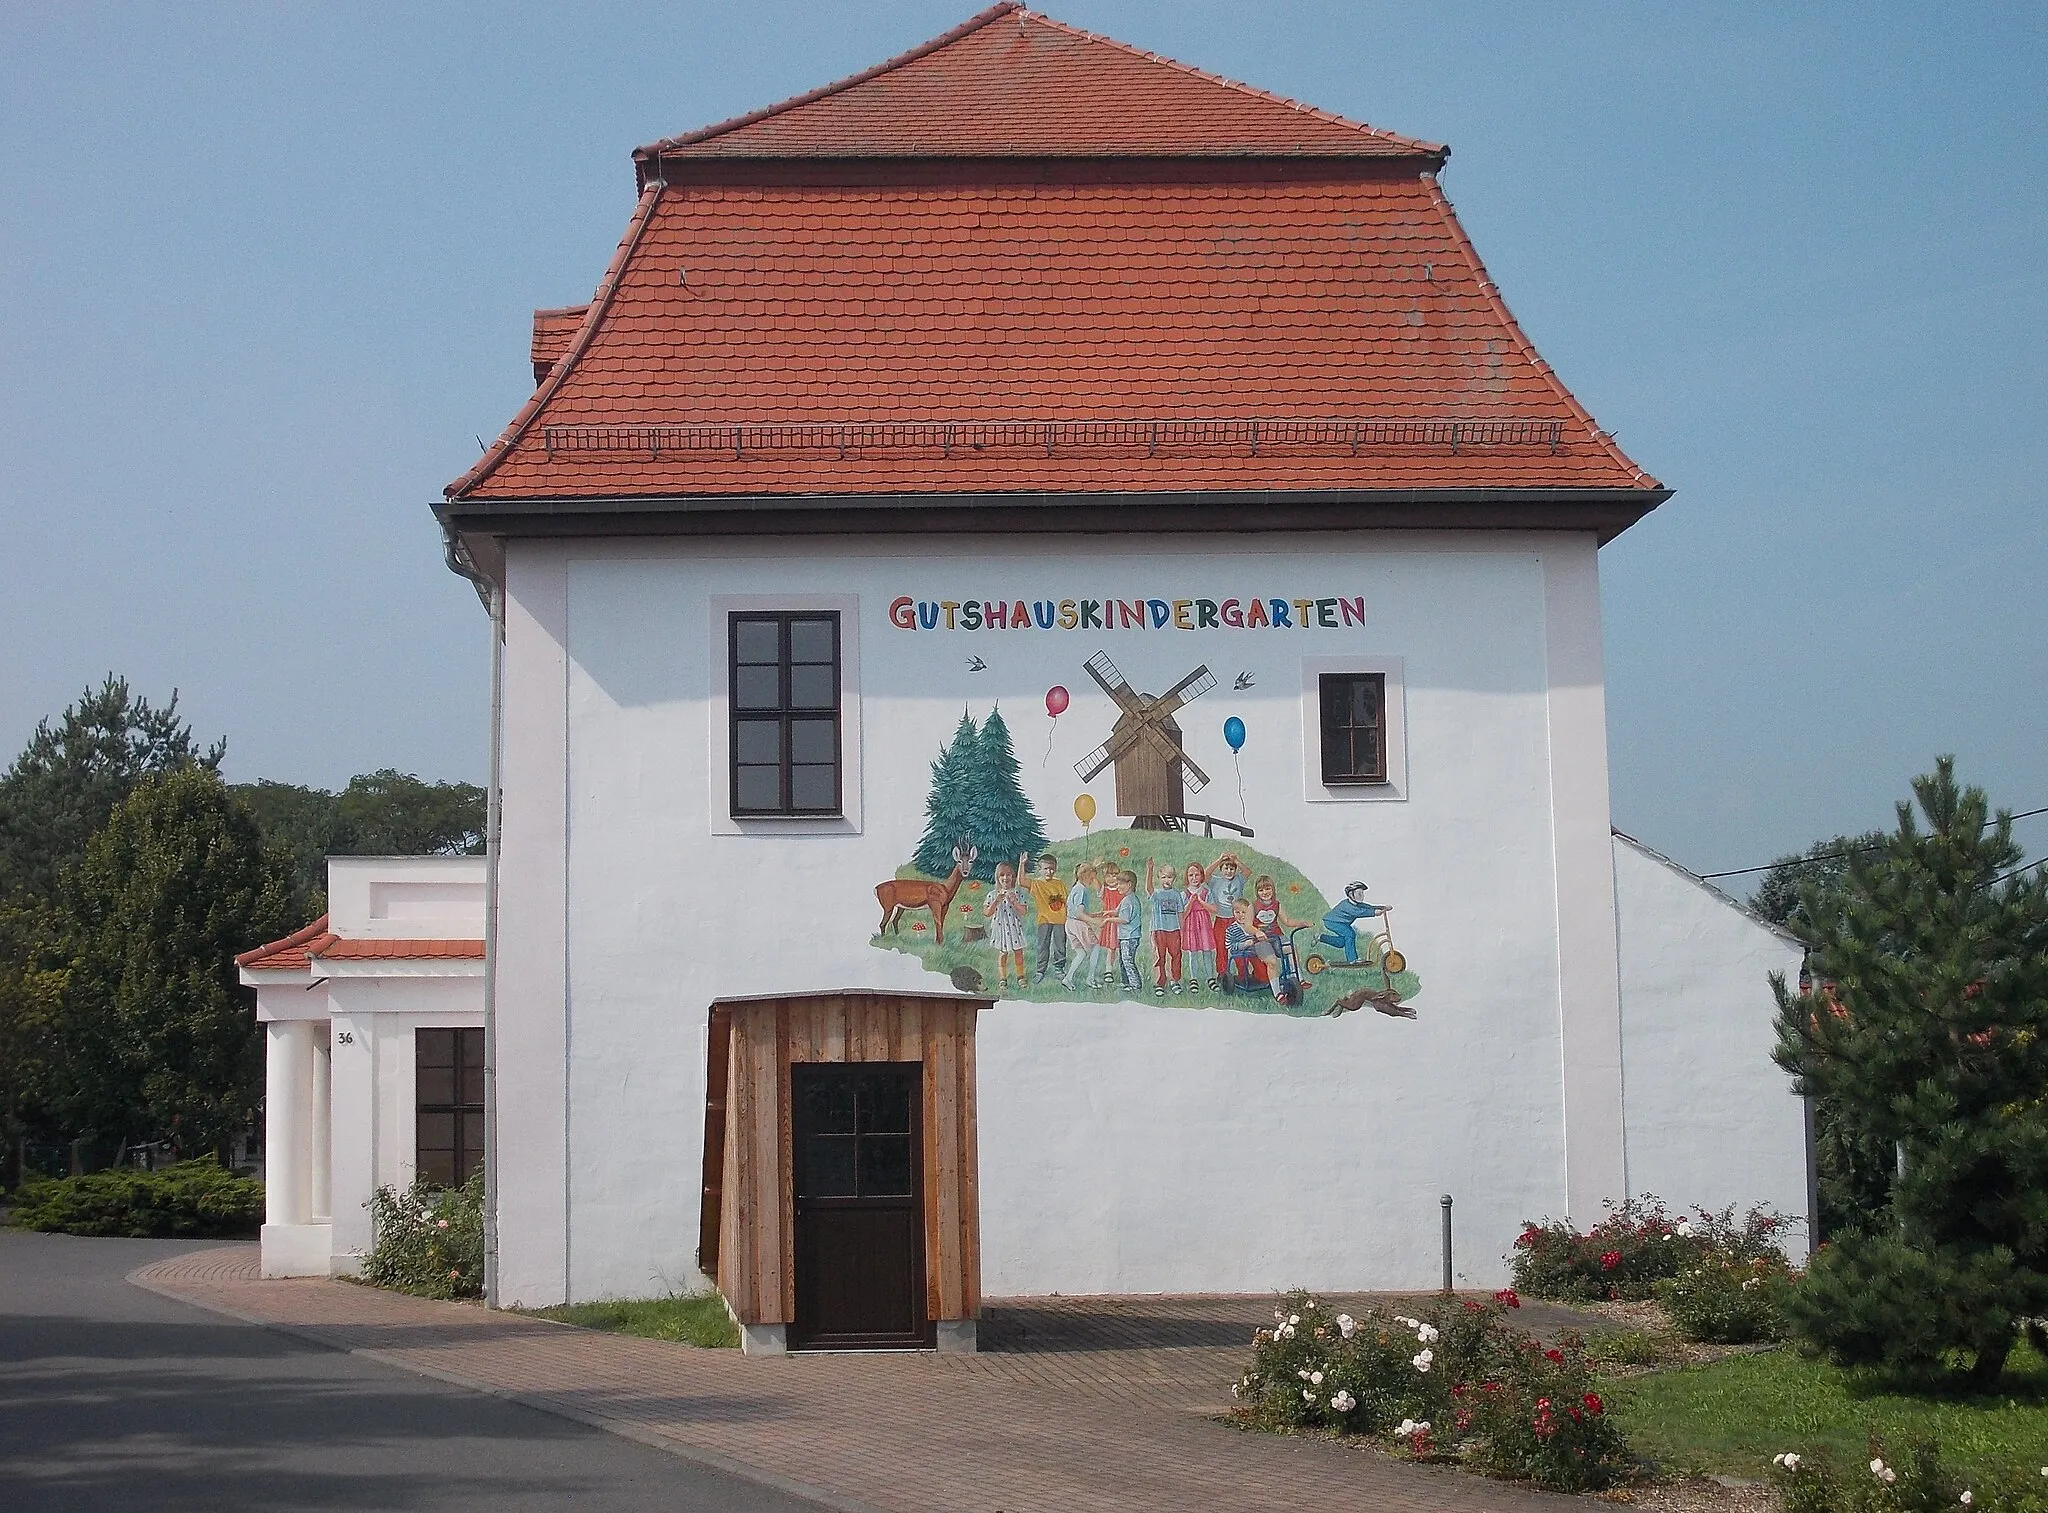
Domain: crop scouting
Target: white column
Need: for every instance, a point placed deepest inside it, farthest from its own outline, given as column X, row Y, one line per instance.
column 353, row 1146
column 287, row 1121
column 320, row 1186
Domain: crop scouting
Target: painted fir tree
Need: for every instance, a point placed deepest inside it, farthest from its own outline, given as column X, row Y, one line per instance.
column 1927, row 1028
column 1000, row 819
column 946, row 808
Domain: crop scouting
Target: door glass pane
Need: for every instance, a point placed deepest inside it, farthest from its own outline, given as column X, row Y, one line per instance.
column 813, row 787
column 810, row 640
column 828, row 1166
column 757, row 641
column 812, row 688
column 759, row 741
column 436, row 1132
column 828, row 1104
column 434, row 1047
column 756, row 687
column 760, row 788
column 809, row 741
column 885, row 1105
column 436, row 1085
column 884, row 1166
column 437, row 1168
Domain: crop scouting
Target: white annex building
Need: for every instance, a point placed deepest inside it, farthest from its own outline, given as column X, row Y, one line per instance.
column 1050, row 738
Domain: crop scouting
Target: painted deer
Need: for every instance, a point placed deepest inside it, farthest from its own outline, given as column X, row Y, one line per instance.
column 900, row 894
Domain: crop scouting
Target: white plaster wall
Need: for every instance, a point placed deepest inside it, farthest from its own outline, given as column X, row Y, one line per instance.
column 406, row 897
column 1124, row 1146
column 1711, row 1119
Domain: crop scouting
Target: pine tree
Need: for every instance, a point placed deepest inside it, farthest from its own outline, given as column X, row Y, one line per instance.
column 946, row 807
column 1001, row 820
column 1927, row 1028
column 161, row 1039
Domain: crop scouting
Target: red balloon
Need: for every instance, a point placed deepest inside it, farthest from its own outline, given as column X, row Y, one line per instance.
column 1055, row 701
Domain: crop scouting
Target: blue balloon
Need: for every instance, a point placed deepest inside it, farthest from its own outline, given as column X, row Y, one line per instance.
column 1233, row 732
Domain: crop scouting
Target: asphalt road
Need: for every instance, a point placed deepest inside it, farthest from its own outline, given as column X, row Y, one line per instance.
column 114, row 1398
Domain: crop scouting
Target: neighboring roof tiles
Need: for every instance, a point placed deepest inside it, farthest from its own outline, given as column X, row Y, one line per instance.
column 290, row 954
column 305, row 948
column 1340, row 298
column 1011, row 82
column 402, row 950
column 554, row 332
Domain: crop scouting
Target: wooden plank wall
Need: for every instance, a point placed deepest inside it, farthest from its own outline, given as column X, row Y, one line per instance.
column 756, row 1246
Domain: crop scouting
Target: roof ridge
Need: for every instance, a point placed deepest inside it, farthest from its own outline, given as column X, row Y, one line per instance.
column 1547, row 374
column 1422, row 148
column 600, row 303
column 972, row 24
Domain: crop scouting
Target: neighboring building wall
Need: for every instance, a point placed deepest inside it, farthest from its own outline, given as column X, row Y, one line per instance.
column 1712, row 1120
column 1125, row 1146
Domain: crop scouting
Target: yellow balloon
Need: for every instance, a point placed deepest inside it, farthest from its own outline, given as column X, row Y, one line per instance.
column 1084, row 809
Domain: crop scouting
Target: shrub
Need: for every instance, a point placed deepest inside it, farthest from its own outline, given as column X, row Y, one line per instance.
column 1457, row 1383
column 1639, row 1246
column 191, row 1200
column 1916, row 1482
column 428, row 1241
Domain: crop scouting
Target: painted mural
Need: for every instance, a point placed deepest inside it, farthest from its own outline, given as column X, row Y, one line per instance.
column 1165, row 910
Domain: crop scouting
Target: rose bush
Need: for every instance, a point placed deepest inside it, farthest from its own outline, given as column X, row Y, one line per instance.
column 1457, row 1383
column 428, row 1241
column 1916, row 1482
column 1639, row 1246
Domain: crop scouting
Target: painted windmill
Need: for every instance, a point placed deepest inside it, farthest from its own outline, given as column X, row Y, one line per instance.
column 1153, row 774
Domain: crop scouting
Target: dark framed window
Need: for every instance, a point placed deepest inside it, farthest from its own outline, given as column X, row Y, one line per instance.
column 1354, row 726
column 448, row 1068
column 785, row 712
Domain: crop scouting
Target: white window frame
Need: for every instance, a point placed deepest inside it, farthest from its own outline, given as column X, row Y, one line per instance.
column 1395, row 788
column 718, row 717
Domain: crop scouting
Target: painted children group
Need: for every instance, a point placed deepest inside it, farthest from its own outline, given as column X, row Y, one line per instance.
column 1187, row 929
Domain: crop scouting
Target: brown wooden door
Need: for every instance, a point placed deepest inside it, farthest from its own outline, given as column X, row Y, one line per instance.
column 859, row 1208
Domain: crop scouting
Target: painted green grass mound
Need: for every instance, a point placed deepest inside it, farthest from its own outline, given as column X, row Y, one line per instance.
column 1300, row 900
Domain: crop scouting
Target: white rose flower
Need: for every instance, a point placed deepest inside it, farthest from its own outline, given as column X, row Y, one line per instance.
column 1302, row 1373
column 1307, row 1396
column 1293, row 1318
column 1316, row 1377
column 1966, row 1499
column 1877, row 1468
column 1405, row 1428
column 1427, row 1334
column 1343, row 1402
column 1346, row 1325
column 1422, row 1361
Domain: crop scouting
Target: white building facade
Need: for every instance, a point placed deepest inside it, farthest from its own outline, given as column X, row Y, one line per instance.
column 354, row 1006
column 874, row 528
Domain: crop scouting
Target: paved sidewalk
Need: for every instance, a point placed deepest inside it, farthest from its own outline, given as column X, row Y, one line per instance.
column 1079, row 1404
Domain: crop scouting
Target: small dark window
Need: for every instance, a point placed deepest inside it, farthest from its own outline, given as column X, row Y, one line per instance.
column 1354, row 725
column 785, row 713
column 449, row 1070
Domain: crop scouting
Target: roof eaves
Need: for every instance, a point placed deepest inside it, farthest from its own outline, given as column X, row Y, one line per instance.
column 600, row 303
column 1527, row 348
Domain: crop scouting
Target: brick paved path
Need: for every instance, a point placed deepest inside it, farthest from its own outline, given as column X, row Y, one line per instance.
column 1079, row 1404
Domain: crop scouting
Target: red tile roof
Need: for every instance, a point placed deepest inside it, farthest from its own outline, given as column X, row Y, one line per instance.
column 290, row 954
column 1010, row 82
column 402, row 950
column 554, row 332
column 1136, row 291
column 305, row 948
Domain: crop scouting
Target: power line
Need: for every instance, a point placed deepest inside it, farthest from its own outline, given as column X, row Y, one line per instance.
column 1829, row 856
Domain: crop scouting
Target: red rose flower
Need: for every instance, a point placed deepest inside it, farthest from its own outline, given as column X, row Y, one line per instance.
column 1609, row 1259
column 1508, row 1298
column 1593, row 1404
column 1555, row 1357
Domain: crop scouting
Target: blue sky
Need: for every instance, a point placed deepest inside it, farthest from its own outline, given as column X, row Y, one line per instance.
column 266, row 274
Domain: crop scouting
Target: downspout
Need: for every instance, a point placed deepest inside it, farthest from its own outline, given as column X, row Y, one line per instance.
column 493, row 597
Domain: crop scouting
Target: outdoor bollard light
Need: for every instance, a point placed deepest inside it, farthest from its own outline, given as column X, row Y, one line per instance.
column 1447, row 1241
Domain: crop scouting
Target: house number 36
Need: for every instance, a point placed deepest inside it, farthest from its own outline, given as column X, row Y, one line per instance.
column 346, row 1037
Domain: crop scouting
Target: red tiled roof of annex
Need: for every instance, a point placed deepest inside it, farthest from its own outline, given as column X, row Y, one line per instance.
column 1321, row 276
column 311, row 944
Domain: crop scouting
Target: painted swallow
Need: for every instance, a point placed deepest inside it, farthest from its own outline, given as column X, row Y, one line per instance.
column 1244, row 681
column 975, row 664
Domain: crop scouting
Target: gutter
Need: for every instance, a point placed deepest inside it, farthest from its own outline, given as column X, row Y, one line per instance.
column 493, row 597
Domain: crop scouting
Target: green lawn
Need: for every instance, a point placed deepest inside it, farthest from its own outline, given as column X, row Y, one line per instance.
column 1733, row 1416
column 697, row 1320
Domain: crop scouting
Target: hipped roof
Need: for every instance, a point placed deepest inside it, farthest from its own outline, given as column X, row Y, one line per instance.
column 1186, row 285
